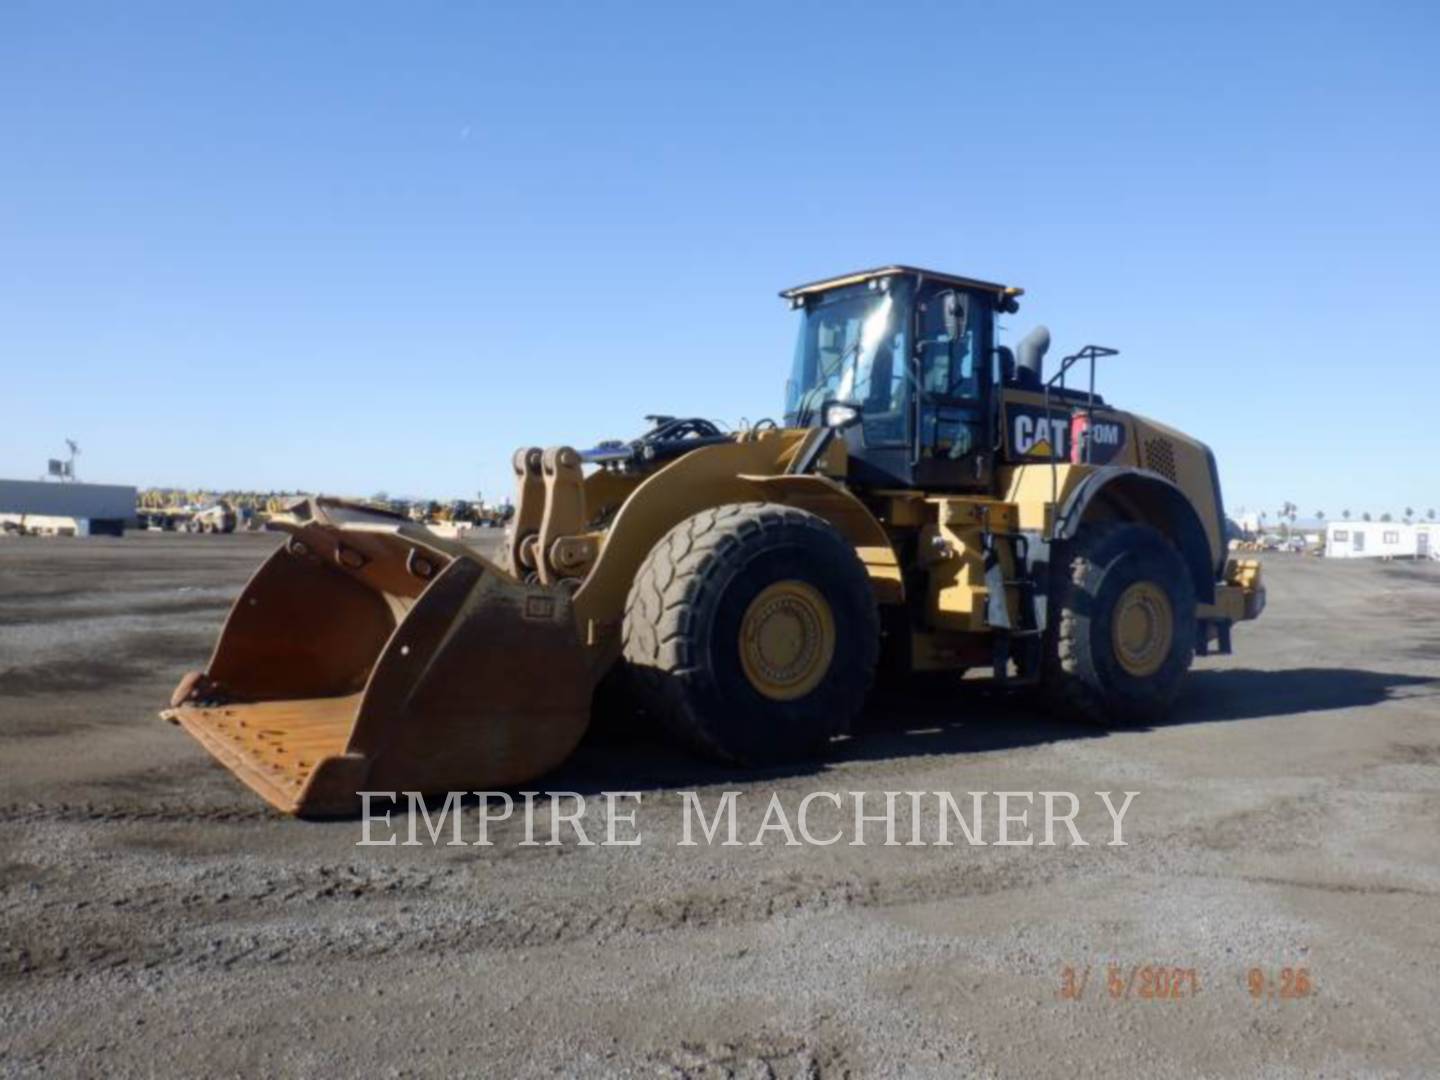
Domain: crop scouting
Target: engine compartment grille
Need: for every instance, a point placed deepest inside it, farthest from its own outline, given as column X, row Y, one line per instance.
column 1160, row 457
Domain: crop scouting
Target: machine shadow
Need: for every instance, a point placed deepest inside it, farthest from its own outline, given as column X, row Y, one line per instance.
column 934, row 716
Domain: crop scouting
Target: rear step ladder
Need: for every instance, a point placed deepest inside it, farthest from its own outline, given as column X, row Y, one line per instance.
column 997, row 610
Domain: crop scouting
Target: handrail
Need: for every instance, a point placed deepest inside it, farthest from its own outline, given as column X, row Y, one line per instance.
column 1090, row 353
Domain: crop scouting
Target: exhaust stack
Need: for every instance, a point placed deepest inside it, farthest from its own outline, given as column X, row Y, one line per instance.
column 1030, row 358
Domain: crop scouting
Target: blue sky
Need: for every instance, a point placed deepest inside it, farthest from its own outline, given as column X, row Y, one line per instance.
column 362, row 247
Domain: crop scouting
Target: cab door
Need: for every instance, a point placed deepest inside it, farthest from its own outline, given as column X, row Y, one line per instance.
column 953, row 436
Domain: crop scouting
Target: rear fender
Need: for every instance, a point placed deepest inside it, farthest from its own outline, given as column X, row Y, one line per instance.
column 1115, row 493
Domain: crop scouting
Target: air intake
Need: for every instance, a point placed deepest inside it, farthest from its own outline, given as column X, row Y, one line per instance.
column 1160, row 457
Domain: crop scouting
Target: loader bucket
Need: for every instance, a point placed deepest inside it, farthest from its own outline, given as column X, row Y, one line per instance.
column 368, row 654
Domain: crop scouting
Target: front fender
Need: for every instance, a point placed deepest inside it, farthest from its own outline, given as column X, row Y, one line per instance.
column 836, row 504
column 743, row 471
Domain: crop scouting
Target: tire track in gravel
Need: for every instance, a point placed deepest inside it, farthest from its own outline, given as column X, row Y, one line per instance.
column 250, row 913
column 28, row 612
column 89, row 813
column 418, row 913
column 762, row 1054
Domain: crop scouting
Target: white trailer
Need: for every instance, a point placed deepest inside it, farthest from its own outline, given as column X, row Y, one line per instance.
column 1382, row 540
column 82, row 509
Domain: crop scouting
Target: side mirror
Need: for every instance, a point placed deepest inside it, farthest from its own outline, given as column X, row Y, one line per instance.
column 835, row 417
column 952, row 318
column 951, row 313
column 839, row 415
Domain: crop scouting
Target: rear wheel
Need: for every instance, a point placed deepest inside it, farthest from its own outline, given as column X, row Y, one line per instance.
column 751, row 632
column 1124, row 632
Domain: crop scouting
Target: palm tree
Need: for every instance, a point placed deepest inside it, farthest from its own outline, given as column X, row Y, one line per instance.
column 1345, row 514
column 1430, row 514
column 1320, row 516
column 1365, row 516
column 1385, row 517
column 1409, row 513
column 1286, row 514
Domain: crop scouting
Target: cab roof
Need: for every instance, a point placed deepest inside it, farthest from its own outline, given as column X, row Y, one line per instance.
column 890, row 271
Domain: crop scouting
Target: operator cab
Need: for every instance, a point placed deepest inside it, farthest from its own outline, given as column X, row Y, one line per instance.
column 915, row 351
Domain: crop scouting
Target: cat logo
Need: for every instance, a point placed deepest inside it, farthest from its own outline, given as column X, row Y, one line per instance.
column 1033, row 435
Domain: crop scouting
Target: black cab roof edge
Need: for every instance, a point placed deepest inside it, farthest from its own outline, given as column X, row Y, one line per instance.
column 886, row 271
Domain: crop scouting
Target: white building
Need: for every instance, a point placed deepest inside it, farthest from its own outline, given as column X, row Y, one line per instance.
column 1382, row 539
column 1251, row 522
column 41, row 506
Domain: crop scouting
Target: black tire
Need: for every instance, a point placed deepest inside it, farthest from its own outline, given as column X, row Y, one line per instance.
column 682, row 632
column 1084, row 672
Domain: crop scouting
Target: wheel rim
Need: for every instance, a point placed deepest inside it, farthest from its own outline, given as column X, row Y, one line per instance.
column 787, row 640
column 1143, row 628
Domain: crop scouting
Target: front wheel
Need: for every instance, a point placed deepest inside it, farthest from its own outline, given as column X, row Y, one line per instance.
column 751, row 632
column 1124, row 631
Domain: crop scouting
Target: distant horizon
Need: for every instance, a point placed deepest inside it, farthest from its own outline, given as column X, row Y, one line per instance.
column 1235, row 513
column 1311, row 519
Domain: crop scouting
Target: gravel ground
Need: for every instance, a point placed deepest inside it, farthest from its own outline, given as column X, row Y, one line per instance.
column 156, row 918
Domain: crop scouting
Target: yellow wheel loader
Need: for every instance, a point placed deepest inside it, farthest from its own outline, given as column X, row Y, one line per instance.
column 931, row 501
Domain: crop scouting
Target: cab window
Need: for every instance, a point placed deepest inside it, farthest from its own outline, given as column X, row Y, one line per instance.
column 852, row 347
column 948, row 347
column 952, row 421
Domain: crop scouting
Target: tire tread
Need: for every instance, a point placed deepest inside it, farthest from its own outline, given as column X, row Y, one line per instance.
column 658, row 636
